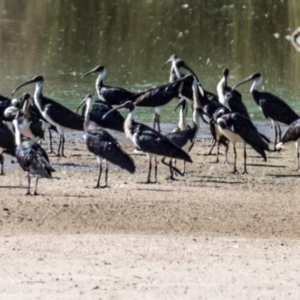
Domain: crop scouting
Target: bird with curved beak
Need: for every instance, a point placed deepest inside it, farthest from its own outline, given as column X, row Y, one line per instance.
column 54, row 113
column 229, row 97
column 273, row 107
column 99, row 108
column 185, row 136
column 160, row 96
column 149, row 141
column 112, row 95
column 104, row 146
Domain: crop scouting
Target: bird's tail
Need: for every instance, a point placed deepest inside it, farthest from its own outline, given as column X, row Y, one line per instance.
column 279, row 146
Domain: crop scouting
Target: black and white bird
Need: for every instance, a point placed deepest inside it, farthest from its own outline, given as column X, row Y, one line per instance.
column 54, row 113
column 207, row 109
column 175, row 74
column 30, row 126
column 160, row 96
column 111, row 94
column 230, row 98
column 273, row 107
column 151, row 142
column 184, row 136
column 239, row 129
column 32, row 158
column 7, row 143
column 292, row 135
column 99, row 108
column 104, row 146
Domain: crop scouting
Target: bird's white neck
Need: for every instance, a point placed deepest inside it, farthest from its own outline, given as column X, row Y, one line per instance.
column 176, row 70
column 17, row 132
column 256, row 84
column 38, row 93
column 128, row 123
column 101, row 76
column 89, row 106
column 196, row 118
column 182, row 122
column 220, row 90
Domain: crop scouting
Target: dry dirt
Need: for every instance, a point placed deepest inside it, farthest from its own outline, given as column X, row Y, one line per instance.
column 208, row 235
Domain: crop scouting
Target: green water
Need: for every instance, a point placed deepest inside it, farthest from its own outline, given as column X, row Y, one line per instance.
column 62, row 40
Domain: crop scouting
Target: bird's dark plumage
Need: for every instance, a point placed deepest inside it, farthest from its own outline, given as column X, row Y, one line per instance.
column 113, row 121
column 34, row 159
column 101, row 143
column 111, row 94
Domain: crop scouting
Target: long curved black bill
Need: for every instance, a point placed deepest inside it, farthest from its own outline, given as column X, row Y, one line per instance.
column 94, row 70
column 33, row 80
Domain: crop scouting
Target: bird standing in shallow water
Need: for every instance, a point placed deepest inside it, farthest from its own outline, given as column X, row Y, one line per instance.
column 152, row 142
column 104, row 146
column 32, row 158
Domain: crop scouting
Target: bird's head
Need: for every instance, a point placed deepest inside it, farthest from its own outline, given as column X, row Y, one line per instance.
column 35, row 79
column 253, row 77
column 97, row 69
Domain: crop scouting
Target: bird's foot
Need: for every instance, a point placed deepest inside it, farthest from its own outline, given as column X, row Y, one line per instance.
column 245, row 172
column 171, row 178
column 35, row 194
column 51, row 152
column 27, row 194
column 235, row 171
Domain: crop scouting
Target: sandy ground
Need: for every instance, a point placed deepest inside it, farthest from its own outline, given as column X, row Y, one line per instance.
column 208, row 235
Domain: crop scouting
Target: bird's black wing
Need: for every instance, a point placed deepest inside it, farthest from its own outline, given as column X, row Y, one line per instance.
column 249, row 133
column 151, row 141
column 34, row 159
column 63, row 116
column 275, row 108
column 102, row 144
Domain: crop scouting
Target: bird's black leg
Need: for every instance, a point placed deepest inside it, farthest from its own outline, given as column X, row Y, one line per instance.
column 212, row 147
column 218, row 151
column 35, row 189
column 297, row 152
column 63, row 146
column 99, row 176
column 59, row 146
column 275, row 142
column 155, row 170
column 50, row 141
column 2, row 163
column 235, row 171
column 106, row 174
column 245, row 160
column 149, row 170
column 28, row 187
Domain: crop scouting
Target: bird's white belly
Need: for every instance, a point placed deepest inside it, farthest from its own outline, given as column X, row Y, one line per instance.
column 25, row 129
column 233, row 137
